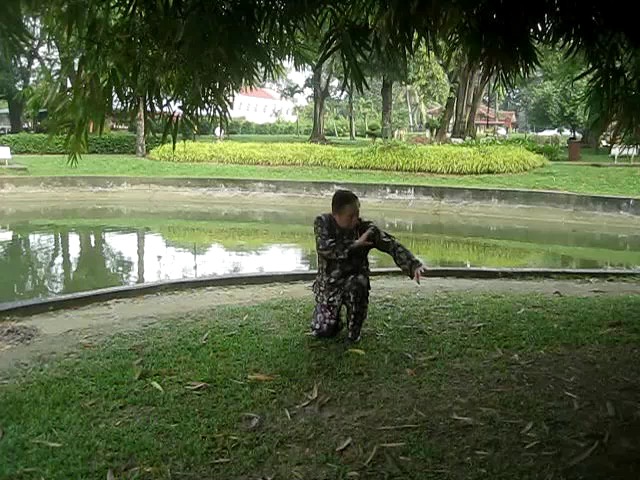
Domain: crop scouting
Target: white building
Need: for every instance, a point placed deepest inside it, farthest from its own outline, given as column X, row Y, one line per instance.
column 262, row 105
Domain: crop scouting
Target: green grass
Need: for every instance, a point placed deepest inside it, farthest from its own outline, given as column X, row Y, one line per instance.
column 578, row 179
column 487, row 386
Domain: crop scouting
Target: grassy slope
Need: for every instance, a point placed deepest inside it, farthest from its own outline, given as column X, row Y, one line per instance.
column 489, row 386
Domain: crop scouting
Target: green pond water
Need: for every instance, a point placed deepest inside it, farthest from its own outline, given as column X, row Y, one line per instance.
column 54, row 248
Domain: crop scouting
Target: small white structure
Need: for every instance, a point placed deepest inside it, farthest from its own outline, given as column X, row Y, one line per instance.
column 623, row 151
column 5, row 155
column 262, row 105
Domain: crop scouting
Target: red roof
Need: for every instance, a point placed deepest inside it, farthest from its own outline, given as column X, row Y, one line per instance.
column 257, row 93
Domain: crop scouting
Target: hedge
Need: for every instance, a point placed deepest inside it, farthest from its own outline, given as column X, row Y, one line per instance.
column 443, row 159
column 43, row 144
column 549, row 149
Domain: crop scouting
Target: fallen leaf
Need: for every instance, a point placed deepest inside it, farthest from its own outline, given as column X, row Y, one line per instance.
column 398, row 427
column 157, row 386
column 356, row 350
column 222, row 460
column 287, row 413
column 110, row 475
column 260, row 377
column 353, row 475
column 611, row 411
column 569, row 394
column 205, row 337
column 392, row 445
column 531, row 445
column 411, row 372
column 343, row 446
column 245, row 317
column 482, row 453
column 468, row 420
column 584, row 455
column 194, row 386
column 370, row 457
column 48, row 444
column 526, row 429
column 253, row 421
column 519, row 312
column 311, row 397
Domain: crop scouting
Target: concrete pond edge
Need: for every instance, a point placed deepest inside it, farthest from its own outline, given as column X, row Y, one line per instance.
column 459, row 195
column 69, row 301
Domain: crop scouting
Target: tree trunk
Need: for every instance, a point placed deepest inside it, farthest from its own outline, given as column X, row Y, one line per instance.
column 141, row 150
column 352, row 121
column 441, row 134
column 320, row 94
column 387, row 107
column 16, row 109
column 409, row 108
column 141, row 238
column 460, row 120
column 471, row 130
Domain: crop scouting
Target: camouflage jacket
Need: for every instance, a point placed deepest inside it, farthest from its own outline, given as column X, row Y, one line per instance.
column 339, row 258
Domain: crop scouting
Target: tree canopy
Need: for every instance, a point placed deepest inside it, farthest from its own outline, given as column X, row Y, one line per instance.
column 196, row 53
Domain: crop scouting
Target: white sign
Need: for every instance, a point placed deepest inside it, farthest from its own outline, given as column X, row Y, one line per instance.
column 5, row 154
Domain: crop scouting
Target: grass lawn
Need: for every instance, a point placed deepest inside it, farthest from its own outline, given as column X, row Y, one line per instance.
column 579, row 179
column 451, row 386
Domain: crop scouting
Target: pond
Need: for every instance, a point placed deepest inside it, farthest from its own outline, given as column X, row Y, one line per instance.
column 64, row 247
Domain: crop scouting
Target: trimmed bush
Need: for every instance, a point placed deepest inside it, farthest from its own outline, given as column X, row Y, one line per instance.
column 551, row 150
column 442, row 159
column 42, row 144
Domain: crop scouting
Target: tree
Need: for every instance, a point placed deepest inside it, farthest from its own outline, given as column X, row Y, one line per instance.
column 554, row 96
column 198, row 74
column 18, row 67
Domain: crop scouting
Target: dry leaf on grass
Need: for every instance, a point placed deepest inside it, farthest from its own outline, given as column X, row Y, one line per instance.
column 222, row 460
column 398, row 427
column 310, row 396
column 195, row 386
column 157, row 386
column 370, row 457
column 411, row 372
column 611, row 411
column 286, row 412
column 252, row 421
column 356, row 351
column 260, row 377
column 531, row 445
column 583, row 456
column 205, row 337
column 392, row 445
column 527, row 429
column 462, row 419
column 48, row 444
column 343, row 446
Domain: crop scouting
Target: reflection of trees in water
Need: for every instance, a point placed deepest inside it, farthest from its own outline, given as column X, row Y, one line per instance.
column 38, row 270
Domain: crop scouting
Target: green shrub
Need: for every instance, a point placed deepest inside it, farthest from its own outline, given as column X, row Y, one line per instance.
column 443, row 159
column 42, row 144
column 551, row 150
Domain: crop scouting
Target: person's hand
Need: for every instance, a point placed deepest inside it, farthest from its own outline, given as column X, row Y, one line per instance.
column 417, row 274
column 364, row 241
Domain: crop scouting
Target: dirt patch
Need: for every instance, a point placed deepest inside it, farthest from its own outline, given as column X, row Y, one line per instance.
column 62, row 331
column 16, row 334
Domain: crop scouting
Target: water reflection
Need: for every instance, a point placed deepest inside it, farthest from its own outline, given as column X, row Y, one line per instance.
column 78, row 249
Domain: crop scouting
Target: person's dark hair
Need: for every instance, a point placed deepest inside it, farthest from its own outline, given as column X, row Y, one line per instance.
column 342, row 199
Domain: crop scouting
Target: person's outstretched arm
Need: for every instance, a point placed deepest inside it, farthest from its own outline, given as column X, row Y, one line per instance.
column 404, row 259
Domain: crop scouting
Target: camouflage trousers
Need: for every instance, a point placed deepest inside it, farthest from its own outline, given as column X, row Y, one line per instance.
column 352, row 294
